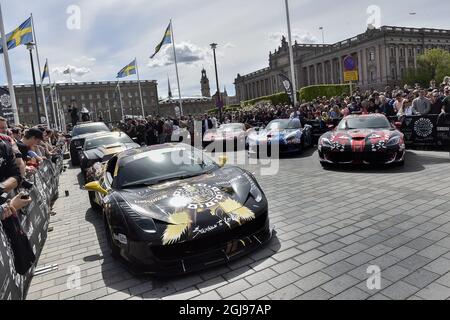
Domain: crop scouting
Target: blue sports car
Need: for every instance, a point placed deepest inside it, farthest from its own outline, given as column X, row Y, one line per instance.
column 287, row 135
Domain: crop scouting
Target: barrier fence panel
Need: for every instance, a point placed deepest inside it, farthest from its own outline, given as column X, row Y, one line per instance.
column 35, row 221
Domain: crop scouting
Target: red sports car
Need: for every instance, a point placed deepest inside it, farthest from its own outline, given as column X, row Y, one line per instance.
column 362, row 139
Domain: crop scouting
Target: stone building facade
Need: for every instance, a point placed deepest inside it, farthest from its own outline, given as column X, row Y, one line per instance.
column 100, row 98
column 382, row 55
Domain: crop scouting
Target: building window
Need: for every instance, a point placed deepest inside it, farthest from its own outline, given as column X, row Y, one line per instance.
column 20, row 100
column 30, row 109
column 372, row 76
column 144, row 94
column 29, row 100
column 371, row 56
column 21, row 109
column 145, row 101
column 402, row 52
column 136, row 94
column 90, row 97
column 393, row 52
column 73, row 98
column 98, row 96
column 82, row 97
column 63, row 98
column 106, row 95
column 410, row 52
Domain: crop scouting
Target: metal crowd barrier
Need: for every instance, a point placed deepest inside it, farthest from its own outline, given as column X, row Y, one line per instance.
column 35, row 220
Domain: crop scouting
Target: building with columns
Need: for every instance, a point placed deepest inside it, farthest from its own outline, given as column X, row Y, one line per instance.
column 382, row 55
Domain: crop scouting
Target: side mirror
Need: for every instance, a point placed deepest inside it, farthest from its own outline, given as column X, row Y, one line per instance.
column 222, row 161
column 96, row 187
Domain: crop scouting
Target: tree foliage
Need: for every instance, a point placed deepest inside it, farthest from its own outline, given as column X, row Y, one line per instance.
column 434, row 64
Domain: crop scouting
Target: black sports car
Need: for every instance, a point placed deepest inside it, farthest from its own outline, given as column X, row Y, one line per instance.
column 102, row 147
column 170, row 209
column 79, row 134
column 362, row 139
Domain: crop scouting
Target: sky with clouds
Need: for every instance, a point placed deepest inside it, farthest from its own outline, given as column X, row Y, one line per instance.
column 113, row 32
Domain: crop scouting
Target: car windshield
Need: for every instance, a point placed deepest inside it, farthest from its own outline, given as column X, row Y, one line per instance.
column 231, row 127
column 158, row 166
column 106, row 141
column 283, row 125
column 364, row 123
column 97, row 127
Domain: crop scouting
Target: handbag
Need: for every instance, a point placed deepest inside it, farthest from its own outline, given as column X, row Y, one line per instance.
column 24, row 256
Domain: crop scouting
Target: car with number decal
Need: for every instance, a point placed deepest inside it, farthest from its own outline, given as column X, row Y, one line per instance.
column 363, row 139
column 288, row 135
column 171, row 209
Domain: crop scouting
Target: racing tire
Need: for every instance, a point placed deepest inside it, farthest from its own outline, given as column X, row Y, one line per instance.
column 113, row 249
column 94, row 205
column 74, row 159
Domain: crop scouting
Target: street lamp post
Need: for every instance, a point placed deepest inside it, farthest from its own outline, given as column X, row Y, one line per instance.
column 218, row 100
column 30, row 47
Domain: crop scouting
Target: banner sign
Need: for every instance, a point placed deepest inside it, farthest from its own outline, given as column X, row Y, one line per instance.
column 350, row 69
column 427, row 130
column 287, row 85
column 34, row 220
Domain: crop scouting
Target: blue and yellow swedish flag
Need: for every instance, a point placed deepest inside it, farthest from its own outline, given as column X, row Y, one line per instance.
column 127, row 70
column 22, row 35
column 166, row 40
column 45, row 74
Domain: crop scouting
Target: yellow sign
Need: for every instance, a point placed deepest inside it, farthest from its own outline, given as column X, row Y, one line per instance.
column 351, row 75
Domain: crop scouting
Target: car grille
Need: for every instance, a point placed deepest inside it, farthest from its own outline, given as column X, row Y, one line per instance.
column 362, row 157
column 211, row 243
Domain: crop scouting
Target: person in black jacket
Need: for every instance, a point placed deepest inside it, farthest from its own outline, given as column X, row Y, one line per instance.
column 10, row 177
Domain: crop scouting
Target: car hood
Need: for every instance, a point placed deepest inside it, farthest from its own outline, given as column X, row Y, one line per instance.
column 276, row 134
column 372, row 135
column 222, row 134
column 201, row 203
column 88, row 135
column 100, row 152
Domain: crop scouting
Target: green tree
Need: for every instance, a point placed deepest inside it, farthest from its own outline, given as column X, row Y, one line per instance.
column 434, row 64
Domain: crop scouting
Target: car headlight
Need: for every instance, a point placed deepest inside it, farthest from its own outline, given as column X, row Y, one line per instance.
column 393, row 141
column 255, row 191
column 325, row 142
column 139, row 216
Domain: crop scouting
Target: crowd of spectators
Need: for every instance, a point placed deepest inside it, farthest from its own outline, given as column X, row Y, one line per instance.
column 22, row 150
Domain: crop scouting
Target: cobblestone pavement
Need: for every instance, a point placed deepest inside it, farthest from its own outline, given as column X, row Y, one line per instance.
column 331, row 225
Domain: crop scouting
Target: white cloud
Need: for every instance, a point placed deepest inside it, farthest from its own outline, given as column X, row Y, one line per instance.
column 187, row 53
column 78, row 71
column 298, row 35
column 85, row 60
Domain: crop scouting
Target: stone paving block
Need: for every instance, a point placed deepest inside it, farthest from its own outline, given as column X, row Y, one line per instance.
column 315, row 294
column 434, row 291
column 440, row 266
column 312, row 281
column 421, row 278
column 340, row 284
column 399, row 290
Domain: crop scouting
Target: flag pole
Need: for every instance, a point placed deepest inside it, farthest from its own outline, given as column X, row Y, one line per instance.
column 8, row 70
column 176, row 67
column 51, row 96
column 120, row 98
column 40, row 71
column 291, row 54
column 140, row 90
